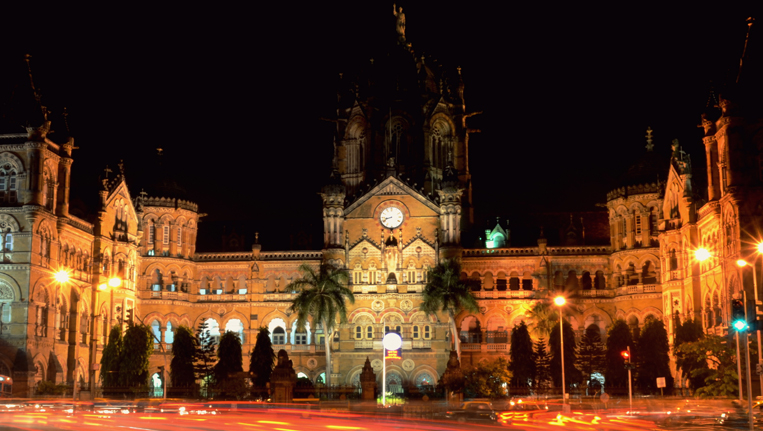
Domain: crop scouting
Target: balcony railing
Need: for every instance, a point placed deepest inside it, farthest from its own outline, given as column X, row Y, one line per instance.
column 639, row 288
column 603, row 293
column 364, row 344
column 470, row 347
column 421, row 344
column 496, row 294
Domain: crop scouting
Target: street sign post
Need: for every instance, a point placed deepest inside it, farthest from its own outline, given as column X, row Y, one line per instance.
column 661, row 384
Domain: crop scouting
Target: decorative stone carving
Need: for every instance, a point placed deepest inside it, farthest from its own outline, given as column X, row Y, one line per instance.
column 376, row 364
column 368, row 382
column 5, row 291
column 312, row 363
column 377, row 305
column 406, row 305
column 408, row 365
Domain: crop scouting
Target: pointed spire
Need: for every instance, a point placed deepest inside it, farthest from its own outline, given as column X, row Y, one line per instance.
column 750, row 21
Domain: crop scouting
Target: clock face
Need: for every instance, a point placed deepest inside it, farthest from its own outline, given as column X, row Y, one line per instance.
column 391, row 217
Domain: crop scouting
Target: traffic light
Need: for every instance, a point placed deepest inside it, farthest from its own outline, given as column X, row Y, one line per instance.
column 626, row 356
column 738, row 320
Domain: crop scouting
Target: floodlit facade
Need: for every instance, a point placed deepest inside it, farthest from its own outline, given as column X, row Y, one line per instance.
column 397, row 201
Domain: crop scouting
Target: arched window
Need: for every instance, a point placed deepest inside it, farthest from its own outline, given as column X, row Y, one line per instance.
column 279, row 336
column 416, row 334
column 180, row 235
column 358, row 332
column 370, row 332
column 8, row 246
column 169, row 334
column 648, row 273
column 236, row 326
column 673, row 259
column 156, row 330
column 572, row 281
column 151, row 234
column 214, row 330
column 514, row 281
column 8, row 184
column 599, row 281
column 166, row 234
column 586, row 281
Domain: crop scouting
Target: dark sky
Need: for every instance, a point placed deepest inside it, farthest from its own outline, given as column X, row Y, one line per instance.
column 234, row 95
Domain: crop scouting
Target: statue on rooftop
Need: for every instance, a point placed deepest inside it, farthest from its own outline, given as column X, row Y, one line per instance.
column 400, row 24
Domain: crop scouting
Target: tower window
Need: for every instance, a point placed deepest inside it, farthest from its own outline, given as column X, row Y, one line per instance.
column 180, row 236
column 415, row 332
column 358, row 332
column 638, row 224
column 166, row 239
column 151, row 232
column 8, row 242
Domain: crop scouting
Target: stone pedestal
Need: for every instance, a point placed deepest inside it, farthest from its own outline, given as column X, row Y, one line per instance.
column 368, row 382
column 283, row 380
column 453, row 380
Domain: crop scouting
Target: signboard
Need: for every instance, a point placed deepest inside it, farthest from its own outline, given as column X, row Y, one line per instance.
column 604, row 398
column 660, row 382
column 392, row 354
column 393, row 346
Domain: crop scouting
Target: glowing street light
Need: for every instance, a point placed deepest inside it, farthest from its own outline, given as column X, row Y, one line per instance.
column 560, row 301
column 702, row 254
column 64, row 276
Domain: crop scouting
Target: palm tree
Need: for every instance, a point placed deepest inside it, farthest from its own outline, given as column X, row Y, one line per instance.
column 323, row 294
column 544, row 319
column 447, row 293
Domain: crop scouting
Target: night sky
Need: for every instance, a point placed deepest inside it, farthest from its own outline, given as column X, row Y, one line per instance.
column 235, row 95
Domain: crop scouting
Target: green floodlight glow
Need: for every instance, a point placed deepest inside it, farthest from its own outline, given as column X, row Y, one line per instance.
column 740, row 325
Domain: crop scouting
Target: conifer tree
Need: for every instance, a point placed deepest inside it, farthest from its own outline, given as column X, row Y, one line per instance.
column 591, row 353
column 619, row 338
column 228, row 382
column 652, row 357
column 182, row 374
column 261, row 362
column 571, row 374
column 137, row 347
column 205, row 352
column 110, row 358
column 522, row 365
column 542, row 365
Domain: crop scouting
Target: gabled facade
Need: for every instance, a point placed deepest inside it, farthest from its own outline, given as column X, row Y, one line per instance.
column 396, row 203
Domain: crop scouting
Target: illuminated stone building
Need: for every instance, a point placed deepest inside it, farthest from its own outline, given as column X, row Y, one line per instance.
column 396, row 202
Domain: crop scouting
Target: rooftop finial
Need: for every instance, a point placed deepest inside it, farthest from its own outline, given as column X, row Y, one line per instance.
column 649, row 138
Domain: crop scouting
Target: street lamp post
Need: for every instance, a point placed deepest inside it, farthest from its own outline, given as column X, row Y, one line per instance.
column 560, row 301
column 62, row 277
column 701, row 255
column 391, row 342
column 742, row 264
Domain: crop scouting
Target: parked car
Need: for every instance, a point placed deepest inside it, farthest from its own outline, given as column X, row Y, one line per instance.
column 472, row 411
